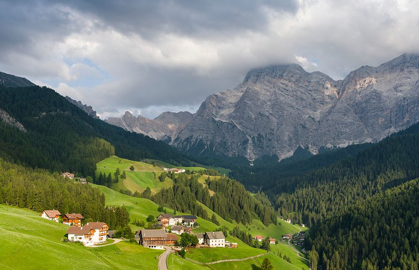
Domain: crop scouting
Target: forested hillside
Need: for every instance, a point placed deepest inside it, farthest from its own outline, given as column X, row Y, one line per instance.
column 381, row 233
column 230, row 199
column 62, row 137
column 38, row 190
column 325, row 192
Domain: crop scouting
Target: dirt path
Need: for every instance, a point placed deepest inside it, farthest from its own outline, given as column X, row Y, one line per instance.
column 115, row 242
column 229, row 260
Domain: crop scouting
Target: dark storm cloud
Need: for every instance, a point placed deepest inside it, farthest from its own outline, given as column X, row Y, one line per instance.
column 185, row 17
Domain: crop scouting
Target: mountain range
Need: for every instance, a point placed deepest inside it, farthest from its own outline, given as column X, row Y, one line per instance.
column 278, row 109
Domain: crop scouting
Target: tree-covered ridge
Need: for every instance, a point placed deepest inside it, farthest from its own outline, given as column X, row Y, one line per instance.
column 39, row 190
column 231, row 200
column 62, row 137
column 382, row 233
column 325, row 192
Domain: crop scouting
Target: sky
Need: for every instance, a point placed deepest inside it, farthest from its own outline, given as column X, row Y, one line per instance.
column 154, row 56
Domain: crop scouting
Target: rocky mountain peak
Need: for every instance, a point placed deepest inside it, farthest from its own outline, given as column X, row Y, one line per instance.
column 14, row 81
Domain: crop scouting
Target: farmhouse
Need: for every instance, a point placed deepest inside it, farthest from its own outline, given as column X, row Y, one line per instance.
column 272, row 241
column 259, row 238
column 187, row 220
column 73, row 219
column 68, row 175
column 153, row 238
column 166, row 219
column 53, row 215
column 91, row 234
column 177, row 229
column 200, row 237
column 174, row 170
column 215, row 239
column 287, row 236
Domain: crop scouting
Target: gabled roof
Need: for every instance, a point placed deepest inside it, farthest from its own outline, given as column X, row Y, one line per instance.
column 187, row 217
column 177, row 228
column 52, row 213
column 86, row 228
column 153, row 233
column 215, row 235
column 172, row 237
column 74, row 216
column 199, row 235
column 258, row 236
column 166, row 215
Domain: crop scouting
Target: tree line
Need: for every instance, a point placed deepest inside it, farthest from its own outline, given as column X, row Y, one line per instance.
column 39, row 190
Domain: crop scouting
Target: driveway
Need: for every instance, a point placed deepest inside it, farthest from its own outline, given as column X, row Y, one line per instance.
column 163, row 259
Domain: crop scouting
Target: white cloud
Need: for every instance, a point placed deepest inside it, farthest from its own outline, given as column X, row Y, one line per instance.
column 184, row 58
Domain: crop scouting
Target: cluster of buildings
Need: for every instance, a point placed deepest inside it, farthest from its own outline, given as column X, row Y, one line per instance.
column 174, row 170
column 164, row 220
column 260, row 238
column 158, row 239
column 92, row 233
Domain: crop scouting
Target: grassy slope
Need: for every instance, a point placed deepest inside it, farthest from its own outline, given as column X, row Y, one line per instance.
column 31, row 242
column 140, row 208
column 137, row 180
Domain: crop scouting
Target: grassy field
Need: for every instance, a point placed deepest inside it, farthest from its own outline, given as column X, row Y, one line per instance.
column 144, row 174
column 283, row 249
column 31, row 242
column 205, row 255
column 176, row 263
column 138, row 208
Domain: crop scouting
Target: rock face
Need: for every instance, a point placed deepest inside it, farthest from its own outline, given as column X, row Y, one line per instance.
column 88, row 109
column 164, row 127
column 8, row 120
column 14, row 81
column 278, row 109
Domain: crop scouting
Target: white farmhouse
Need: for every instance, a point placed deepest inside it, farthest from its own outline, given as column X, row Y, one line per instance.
column 215, row 239
column 201, row 238
column 53, row 215
column 92, row 233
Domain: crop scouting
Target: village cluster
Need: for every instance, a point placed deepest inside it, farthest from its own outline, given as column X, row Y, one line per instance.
column 90, row 234
column 172, row 226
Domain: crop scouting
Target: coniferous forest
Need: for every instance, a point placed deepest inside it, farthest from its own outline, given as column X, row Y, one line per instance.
column 62, row 137
column 38, row 189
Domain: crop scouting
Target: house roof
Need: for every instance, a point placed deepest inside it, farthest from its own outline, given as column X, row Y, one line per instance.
column 172, row 237
column 177, row 228
column 86, row 228
column 166, row 215
column 258, row 236
column 52, row 213
column 187, row 217
column 153, row 233
column 74, row 216
column 188, row 220
column 215, row 235
column 199, row 235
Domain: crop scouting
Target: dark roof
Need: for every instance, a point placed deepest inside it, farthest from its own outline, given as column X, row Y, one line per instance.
column 215, row 235
column 166, row 215
column 187, row 217
column 52, row 213
column 153, row 233
column 188, row 220
column 199, row 235
column 177, row 228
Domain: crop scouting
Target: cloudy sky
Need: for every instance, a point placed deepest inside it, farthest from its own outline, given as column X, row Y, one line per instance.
column 153, row 56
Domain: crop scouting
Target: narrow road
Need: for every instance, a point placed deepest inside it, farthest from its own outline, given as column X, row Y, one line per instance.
column 163, row 259
column 116, row 241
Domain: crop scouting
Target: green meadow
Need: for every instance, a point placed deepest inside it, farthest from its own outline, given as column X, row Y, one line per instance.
column 31, row 242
